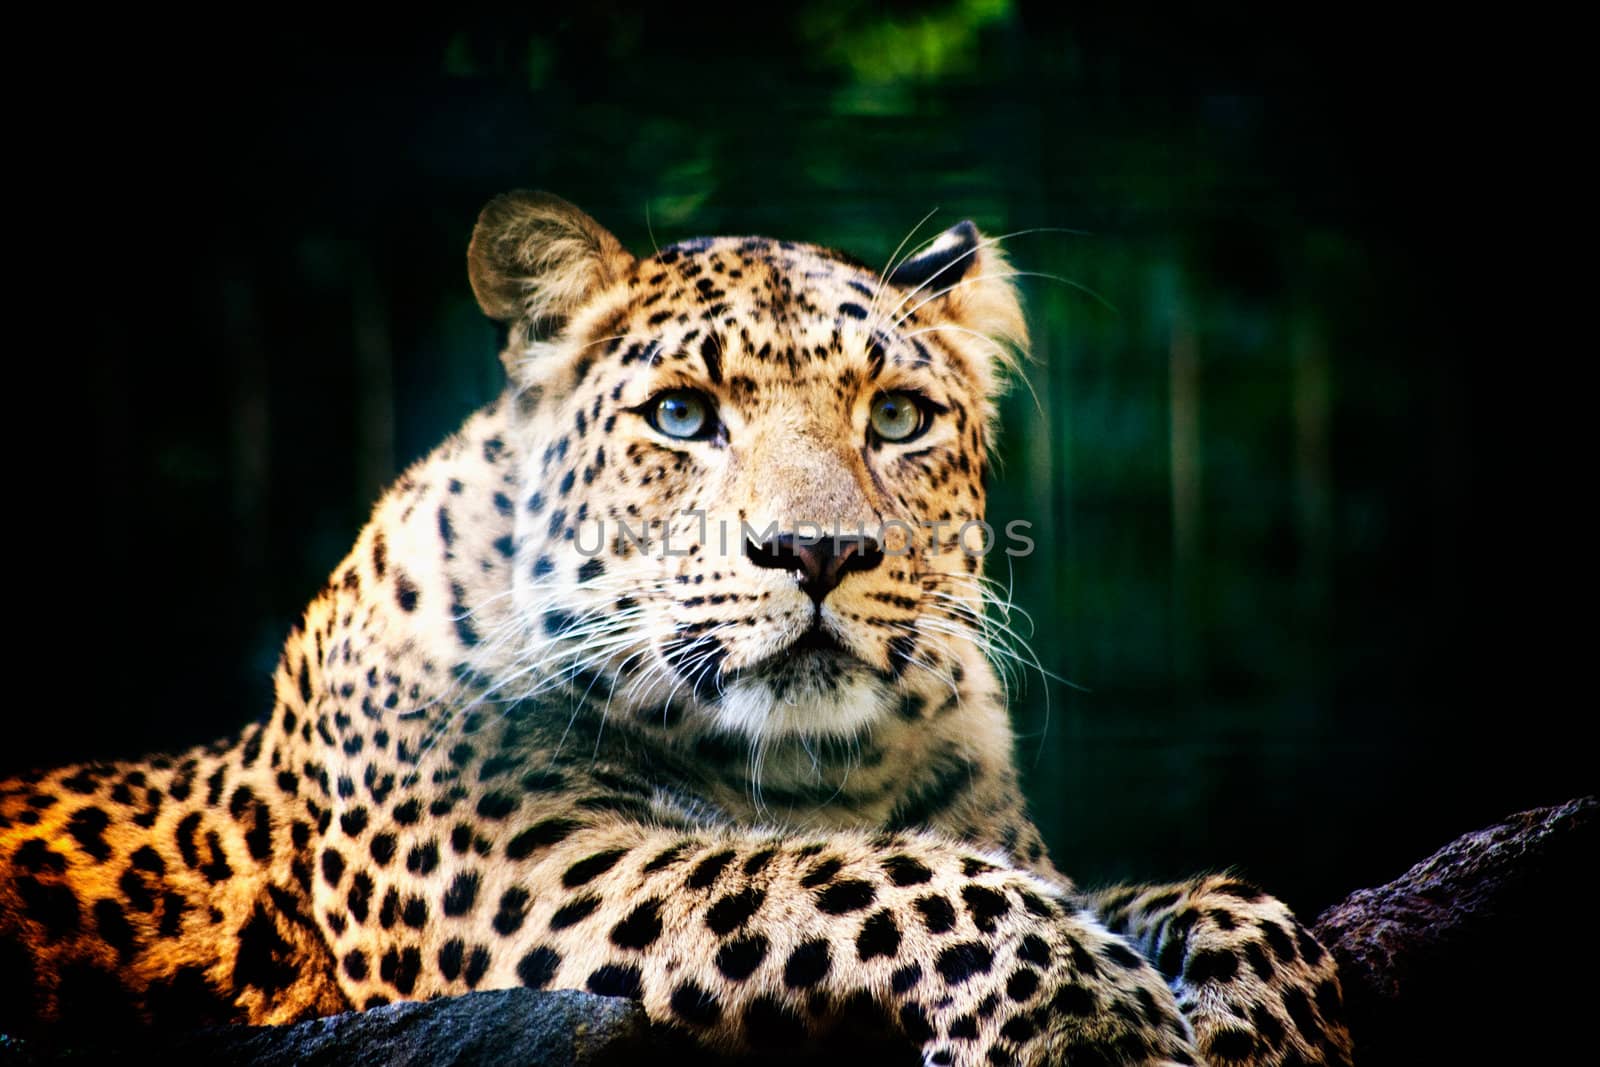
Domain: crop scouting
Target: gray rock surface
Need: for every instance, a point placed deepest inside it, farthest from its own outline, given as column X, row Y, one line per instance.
column 502, row 1027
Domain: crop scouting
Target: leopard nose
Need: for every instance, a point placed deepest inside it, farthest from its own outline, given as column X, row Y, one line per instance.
column 820, row 564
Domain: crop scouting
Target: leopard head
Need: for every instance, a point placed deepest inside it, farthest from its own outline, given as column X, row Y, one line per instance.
column 754, row 470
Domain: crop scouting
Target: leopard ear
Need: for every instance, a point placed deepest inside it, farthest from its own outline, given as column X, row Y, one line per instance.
column 536, row 258
column 944, row 262
column 962, row 277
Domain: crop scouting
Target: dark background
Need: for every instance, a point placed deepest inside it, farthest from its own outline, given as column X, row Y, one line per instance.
column 1307, row 471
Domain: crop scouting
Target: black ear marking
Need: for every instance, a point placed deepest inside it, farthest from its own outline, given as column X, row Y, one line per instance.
column 948, row 259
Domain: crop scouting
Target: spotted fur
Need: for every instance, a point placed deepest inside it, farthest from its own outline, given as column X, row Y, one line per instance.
column 767, row 792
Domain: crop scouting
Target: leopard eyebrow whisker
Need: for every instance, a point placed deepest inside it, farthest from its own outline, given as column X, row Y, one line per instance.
column 978, row 246
column 894, row 260
column 978, row 279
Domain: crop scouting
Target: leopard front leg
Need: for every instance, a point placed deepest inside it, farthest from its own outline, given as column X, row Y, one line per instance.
column 1257, row 987
column 755, row 941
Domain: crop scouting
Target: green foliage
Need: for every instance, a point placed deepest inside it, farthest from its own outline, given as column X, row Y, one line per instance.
column 877, row 47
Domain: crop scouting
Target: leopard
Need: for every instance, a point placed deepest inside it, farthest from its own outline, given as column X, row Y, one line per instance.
column 666, row 677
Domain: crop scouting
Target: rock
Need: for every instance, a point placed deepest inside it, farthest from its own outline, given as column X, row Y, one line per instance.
column 500, row 1028
column 1477, row 954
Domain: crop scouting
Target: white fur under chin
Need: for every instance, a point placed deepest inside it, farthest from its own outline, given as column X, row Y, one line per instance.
column 838, row 708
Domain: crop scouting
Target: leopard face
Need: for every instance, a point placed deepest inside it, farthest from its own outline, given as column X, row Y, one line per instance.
column 754, row 469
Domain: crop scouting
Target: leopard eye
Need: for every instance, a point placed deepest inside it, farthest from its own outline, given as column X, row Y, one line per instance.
column 682, row 413
column 897, row 417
